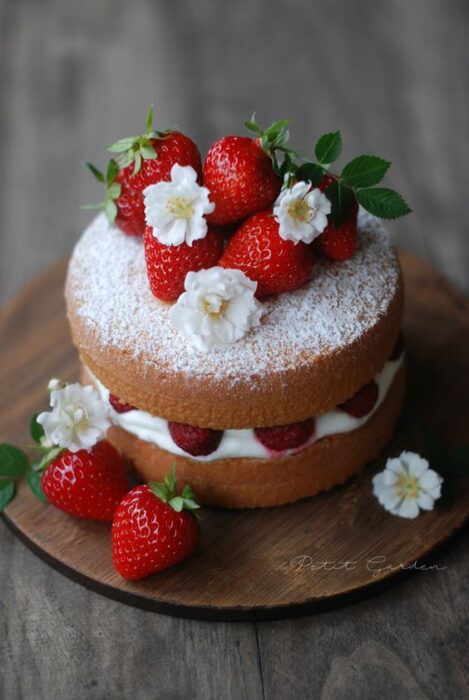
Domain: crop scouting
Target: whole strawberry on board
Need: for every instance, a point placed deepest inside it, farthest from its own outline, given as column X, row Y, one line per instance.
column 153, row 528
column 277, row 265
column 241, row 172
column 80, row 472
column 85, row 484
column 141, row 161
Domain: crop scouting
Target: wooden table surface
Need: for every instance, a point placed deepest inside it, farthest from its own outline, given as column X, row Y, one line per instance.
column 73, row 77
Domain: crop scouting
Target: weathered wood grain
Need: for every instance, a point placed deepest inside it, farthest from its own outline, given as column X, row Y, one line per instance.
column 73, row 76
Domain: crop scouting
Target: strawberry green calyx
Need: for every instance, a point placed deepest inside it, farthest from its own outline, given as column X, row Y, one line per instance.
column 272, row 140
column 15, row 465
column 357, row 181
column 47, row 450
column 112, row 189
column 167, row 492
column 134, row 149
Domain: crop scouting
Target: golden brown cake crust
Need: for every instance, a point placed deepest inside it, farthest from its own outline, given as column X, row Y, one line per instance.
column 250, row 483
column 269, row 377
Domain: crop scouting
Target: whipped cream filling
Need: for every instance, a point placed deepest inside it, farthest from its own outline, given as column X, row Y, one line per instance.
column 244, row 443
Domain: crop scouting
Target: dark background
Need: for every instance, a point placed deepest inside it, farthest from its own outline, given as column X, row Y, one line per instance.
column 74, row 76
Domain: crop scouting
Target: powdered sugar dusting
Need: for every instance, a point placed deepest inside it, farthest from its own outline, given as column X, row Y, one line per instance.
column 343, row 300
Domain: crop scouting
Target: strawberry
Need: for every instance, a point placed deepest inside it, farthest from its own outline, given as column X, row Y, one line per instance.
column 120, row 406
column 87, row 484
column 337, row 242
column 275, row 264
column 153, row 529
column 240, row 172
column 286, row 437
column 363, row 402
column 195, row 441
column 141, row 161
column 168, row 265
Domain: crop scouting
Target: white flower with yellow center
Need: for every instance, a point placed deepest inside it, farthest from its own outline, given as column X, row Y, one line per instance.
column 407, row 485
column 301, row 212
column 78, row 420
column 217, row 308
column 176, row 209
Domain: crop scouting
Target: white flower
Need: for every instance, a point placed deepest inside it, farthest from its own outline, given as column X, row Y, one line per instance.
column 301, row 212
column 217, row 308
column 54, row 384
column 79, row 418
column 176, row 209
column 407, row 485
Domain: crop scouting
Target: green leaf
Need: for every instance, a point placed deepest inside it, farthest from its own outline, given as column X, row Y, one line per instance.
column 277, row 134
column 328, row 148
column 159, row 490
column 148, row 152
column 252, row 125
column 137, row 162
column 97, row 173
column 126, row 159
column 190, row 504
column 112, row 170
column 49, row 457
column 187, row 492
column 110, row 209
column 149, row 122
column 170, row 479
column 7, row 491
column 122, row 145
column 13, row 461
column 310, row 172
column 34, row 480
column 365, row 171
column 457, row 462
column 383, row 202
column 36, row 429
column 341, row 198
column 114, row 190
column 177, row 503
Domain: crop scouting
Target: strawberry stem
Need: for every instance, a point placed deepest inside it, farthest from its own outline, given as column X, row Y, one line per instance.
column 272, row 140
column 166, row 491
column 135, row 149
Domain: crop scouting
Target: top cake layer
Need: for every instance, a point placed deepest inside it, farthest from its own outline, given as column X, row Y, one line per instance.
column 315, row 346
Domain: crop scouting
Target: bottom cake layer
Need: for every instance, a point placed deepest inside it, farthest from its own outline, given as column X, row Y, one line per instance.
column 253, row 482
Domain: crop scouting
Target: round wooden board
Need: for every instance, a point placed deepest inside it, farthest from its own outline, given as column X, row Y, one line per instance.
column 262, row 564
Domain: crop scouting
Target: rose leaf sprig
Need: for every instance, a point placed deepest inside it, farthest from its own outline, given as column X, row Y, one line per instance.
column 358, row 181
column 15, row 464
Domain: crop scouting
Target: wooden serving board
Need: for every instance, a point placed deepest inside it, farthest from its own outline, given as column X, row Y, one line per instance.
column 261, row 564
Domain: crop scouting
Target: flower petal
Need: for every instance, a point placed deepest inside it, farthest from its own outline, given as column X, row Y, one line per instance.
column 425, row 501
column 408, row 509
